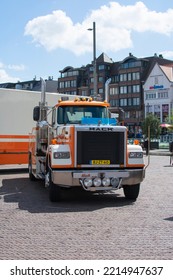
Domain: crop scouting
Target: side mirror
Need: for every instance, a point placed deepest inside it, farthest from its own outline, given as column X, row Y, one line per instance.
column 36, row 113
column 118, row 113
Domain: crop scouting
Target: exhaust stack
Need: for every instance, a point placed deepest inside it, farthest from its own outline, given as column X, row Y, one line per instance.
column 43, row 104
column 107, row 89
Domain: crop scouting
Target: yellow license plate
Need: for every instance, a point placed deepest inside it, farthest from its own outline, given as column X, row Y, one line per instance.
column 99, row 162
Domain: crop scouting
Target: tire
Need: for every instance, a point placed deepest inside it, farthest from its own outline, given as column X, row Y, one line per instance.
column 54, row 190
column 31, row 176
column 131, row 192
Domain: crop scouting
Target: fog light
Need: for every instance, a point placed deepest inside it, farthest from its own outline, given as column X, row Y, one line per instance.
column 87, row 182
column 106, row 182
column 114, row 182
column 97, row 182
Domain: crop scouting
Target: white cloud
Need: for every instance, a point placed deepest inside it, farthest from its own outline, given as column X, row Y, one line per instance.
column 167, row 54
column 1, row 65
column 58, row 31
column 19, row 67
column 5, row 76
column 114, row 26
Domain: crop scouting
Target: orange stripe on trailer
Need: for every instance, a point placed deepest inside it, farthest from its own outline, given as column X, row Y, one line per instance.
column 14, row 149
column 14, row 136
column 6, row 147
column 13, row 159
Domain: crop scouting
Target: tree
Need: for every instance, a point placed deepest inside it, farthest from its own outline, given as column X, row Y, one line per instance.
column 153, row 123
column 169, row 120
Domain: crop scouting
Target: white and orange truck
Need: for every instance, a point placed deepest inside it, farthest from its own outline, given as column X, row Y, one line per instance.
column 81, row 146
column 16, row 110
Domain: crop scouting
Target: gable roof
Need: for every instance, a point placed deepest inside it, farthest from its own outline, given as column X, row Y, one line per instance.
column 151, row 61
column 168, row 71
column 104, row 58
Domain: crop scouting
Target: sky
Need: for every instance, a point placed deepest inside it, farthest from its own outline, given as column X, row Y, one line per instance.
column 38, row 38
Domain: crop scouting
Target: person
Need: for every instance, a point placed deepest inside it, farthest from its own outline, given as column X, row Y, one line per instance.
column 146, row 146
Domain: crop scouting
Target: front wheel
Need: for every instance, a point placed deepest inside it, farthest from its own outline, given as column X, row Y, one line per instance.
column 131, row 192
column 54, row 190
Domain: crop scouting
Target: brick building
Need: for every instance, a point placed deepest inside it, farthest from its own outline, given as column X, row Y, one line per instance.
column 125, row 88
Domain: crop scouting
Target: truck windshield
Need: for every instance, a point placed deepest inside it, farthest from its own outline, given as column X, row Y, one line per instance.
column 75, row 114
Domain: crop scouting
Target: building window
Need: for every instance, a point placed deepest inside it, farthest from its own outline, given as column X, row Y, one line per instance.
column 101, row 79
column 157, row 111
column 136, row 101
column 91, row 92
column 115, row 79
column 129, row 102
column 123, row 77
column 131, row 64
column 165, row 111
column 101, row 67
column 123, row 90
column 70, row 73
column 72, row 92
column 136, row 88
column 156, row 80
column 136, row 76
column 127, row 115
column 129, row 89
column 123, row 102
column 100, row 90
column 133, row 114
column 113, row 91
column 67, row 84
column 61, row 85
column 152, row 96
column 129, row 76
column 163, row 94
column 84, row 93
column 114, row 102
column 73, row 83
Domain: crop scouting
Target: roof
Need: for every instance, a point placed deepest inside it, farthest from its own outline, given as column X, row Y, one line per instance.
column 67, row 68
column 104, row 58
column 167, row 71
column 151, row 61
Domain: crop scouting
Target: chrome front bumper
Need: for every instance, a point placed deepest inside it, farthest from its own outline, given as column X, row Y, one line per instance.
column 70, row 178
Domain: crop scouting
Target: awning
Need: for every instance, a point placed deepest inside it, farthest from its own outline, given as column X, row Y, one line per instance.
column 166, row 125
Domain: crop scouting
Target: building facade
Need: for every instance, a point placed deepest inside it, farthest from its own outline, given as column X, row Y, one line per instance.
column 158, row 92
column 80, row 81
column 33, row 85
column 126, row 83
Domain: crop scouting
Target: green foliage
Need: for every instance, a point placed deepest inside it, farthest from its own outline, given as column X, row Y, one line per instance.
column 169, row 119
column 153, row 123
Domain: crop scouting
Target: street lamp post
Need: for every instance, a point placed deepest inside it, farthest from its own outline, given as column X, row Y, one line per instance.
column 94, row 59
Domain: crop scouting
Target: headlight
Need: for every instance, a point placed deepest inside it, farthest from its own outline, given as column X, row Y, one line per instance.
column 114, row 182
column 106, row 182
column 87, row 182
column 97, row 182
column 136, row 155
column 61, row 155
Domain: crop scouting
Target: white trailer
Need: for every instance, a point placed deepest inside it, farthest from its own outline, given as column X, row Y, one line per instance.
column 16, row 121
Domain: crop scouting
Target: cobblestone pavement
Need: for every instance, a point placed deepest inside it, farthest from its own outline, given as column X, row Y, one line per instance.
column 85, row 226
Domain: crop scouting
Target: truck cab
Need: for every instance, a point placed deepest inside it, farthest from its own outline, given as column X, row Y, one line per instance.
column 83, row 147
